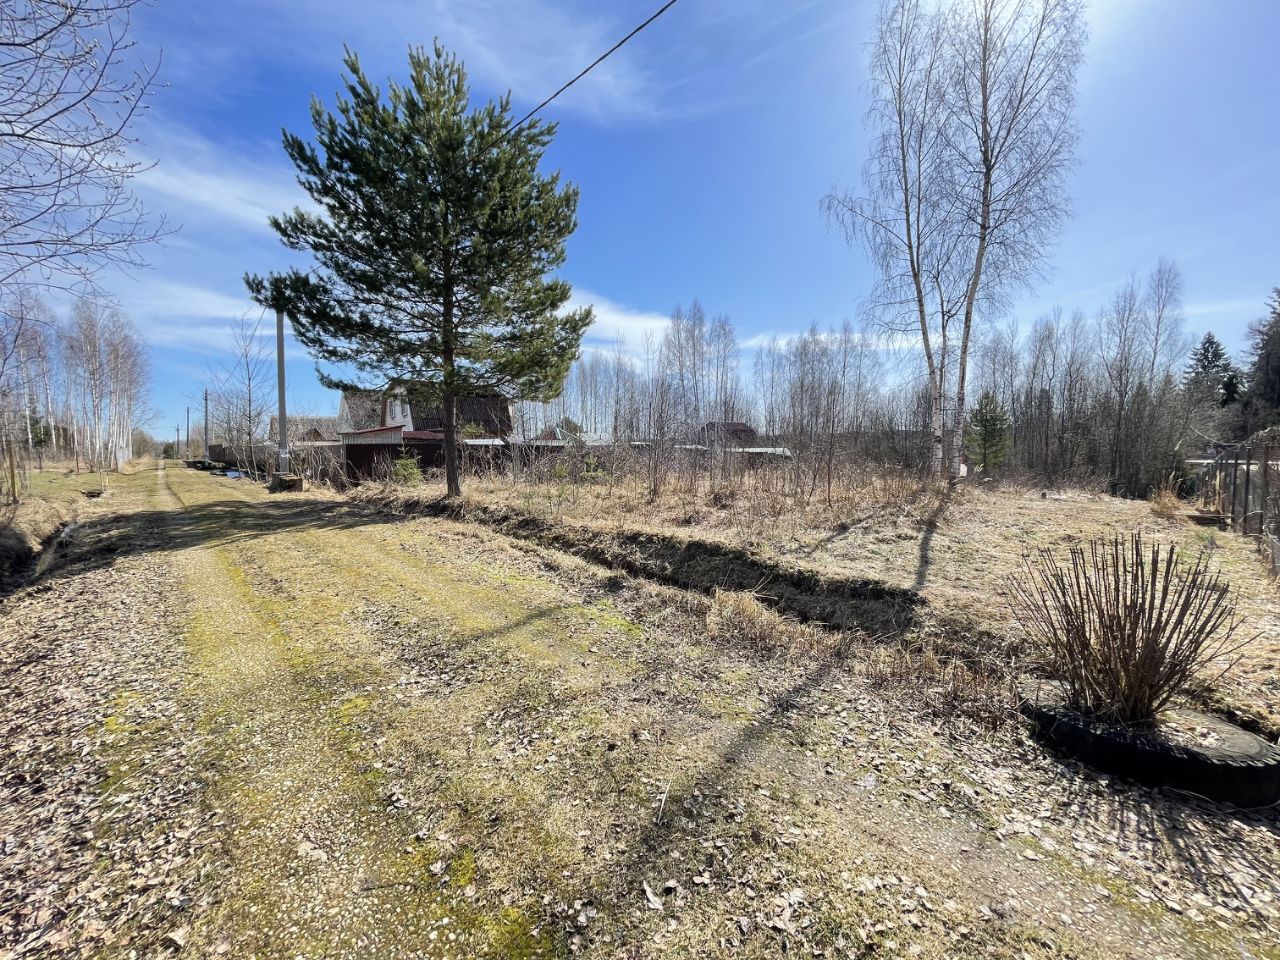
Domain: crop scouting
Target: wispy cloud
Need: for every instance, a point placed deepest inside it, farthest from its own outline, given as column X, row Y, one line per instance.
column 173, row 315
column 1220, row 308
column 199, row 177
column 616, row 324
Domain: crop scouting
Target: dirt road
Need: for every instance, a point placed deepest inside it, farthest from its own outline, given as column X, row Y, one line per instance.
column 251, row 726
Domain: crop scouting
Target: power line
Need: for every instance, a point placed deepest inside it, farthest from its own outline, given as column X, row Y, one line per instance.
column 595, row 63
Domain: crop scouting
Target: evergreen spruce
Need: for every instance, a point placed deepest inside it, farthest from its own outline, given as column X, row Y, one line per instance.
column 989, row 433
column 1264, row 366
column 433, row 244
column 1210, row 375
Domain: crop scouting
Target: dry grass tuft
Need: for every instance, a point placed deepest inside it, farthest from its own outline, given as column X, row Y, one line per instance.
column 936, row 683
column 1166, row 505
column 742, row 619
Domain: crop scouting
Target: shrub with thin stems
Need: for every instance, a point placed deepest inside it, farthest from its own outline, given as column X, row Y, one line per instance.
column 1125, row 625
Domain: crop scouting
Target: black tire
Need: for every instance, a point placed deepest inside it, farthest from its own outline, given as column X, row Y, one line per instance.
column 1243, row 769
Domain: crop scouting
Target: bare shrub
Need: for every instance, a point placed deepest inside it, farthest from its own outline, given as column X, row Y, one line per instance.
column 1125, row 625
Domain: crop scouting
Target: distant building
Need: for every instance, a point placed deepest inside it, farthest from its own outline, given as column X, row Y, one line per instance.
column 306, row 429
column 725, row 433
column 413, row 427
column 565, row 434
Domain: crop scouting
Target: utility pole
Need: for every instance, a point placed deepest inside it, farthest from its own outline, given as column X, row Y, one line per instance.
column 186, row 448
column 177, row 440
column 282, row 432
column 206, row 423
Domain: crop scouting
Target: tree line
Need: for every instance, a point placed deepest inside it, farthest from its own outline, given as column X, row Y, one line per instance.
column 72, row 387
column 71, row 86
column 1115, row 399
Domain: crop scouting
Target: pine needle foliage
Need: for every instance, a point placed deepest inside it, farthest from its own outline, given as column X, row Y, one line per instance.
column 434, row 240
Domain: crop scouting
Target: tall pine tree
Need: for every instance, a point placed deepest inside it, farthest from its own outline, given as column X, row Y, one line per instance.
column 433, row 244
column 1262, row 400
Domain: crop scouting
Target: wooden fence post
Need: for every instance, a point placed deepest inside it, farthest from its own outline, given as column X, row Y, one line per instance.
column 1235, row 483
column 1265, row 478
column 1246, row 512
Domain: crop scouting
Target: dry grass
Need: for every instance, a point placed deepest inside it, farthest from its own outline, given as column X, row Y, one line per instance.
column 741, row 619
column 23, row 528
column 759, row 504
column 1166, row 505
column 955, row 552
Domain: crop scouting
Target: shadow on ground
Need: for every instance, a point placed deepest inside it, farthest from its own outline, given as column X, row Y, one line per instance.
column 1210, row 841
column 102, row 540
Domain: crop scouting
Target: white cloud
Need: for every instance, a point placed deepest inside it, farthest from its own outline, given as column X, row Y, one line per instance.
column 173, row 298
column 535, row 46
column 171, row 314
column 615, row 323
column 1218, row 308
column 197, row 178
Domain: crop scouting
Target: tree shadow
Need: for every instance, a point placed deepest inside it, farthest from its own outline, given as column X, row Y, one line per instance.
column 102, row 540
column 926, row 542
column 660, row 832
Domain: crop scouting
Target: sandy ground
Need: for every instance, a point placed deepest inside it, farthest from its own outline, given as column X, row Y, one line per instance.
column 357, row 735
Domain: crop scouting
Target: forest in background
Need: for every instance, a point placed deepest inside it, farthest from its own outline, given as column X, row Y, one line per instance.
column 1117, row 400
column 73, row 388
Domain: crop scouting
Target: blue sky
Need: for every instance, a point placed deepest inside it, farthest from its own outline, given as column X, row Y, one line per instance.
column 702, row 150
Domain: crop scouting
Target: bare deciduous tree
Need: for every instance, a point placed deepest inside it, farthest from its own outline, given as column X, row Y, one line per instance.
column 973, row 113
column 71, row 85
column 240, row 400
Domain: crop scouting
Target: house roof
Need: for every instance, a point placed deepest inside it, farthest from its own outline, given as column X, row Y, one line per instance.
column 378, row 429
column 363, row 408
column 490, row 414
column 305, row 428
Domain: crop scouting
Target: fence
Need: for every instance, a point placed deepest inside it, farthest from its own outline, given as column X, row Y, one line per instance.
column 1240, row 485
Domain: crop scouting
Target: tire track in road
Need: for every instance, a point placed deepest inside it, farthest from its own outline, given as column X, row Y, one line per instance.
column 106, row 840
column 316, row 854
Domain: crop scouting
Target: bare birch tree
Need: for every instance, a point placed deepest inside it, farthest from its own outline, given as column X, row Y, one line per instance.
column 973, row 115
column 907, row 221
column 71, row 86
column 1012, row 133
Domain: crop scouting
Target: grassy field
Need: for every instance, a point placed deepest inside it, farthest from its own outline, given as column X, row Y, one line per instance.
column 51, row 500
column 422, row 737
column 957, row 554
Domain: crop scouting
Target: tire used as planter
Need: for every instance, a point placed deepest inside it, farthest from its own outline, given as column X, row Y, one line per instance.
column 1240, row 769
